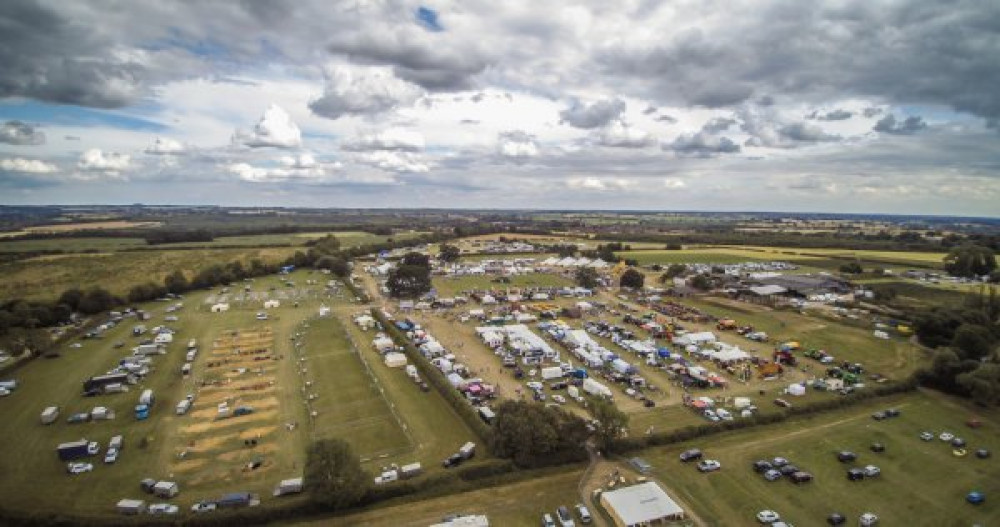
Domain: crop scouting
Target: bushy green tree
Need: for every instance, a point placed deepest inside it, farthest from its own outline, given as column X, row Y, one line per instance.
column 333, row 475
column 533, row 435
column 632, row 278
column 586, row 277
column 970, row 260
column 611, row 420
column 449, row 253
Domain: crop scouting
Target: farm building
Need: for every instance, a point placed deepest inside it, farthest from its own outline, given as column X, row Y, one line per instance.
column 642, row 504
column 803, row 286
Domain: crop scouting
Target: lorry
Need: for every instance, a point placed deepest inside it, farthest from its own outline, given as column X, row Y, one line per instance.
column 73, row 450
column 49, row 415
column 146, row 398
column 595, row 388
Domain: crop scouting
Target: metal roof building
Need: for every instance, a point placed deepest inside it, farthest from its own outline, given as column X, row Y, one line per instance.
column 642, row 504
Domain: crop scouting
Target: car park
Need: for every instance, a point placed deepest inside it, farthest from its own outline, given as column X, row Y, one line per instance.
column 709, row 465
column 691, row 455
column 768, row 516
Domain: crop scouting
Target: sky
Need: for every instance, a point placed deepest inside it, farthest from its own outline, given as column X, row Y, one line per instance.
column 821, row 106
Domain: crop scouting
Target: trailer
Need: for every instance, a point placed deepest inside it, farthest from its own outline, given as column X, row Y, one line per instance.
column 131, row 507
column 49, row 415
column 146, row 397
column 288, row 486
column 595, row 388
column 410, row 471
column 468, row 450
column 73, row 450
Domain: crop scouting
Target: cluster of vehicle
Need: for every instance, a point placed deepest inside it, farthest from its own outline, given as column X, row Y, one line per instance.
column 957, row 443
column 769, row 517
column 775, row 469
column 566, row 518
column 93, row 448
column 704, row 465
column 467, row 451
column 855, row 473
column 820, row 355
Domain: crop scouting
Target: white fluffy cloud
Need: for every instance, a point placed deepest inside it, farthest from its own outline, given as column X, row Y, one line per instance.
column 164, row 146
column 390, row 139
column 27, row 166
column 394, row 161
column 599, row 183
column 96, row 160
column 517, row 145
column 623, row 135
column 275, row 129
column 362, row 90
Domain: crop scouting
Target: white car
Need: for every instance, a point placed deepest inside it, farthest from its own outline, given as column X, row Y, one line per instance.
column 946, row 436
column 79, row 468
column 111, row 456
column 559, row 399
column 871, row 471
column 4, row 392
column 768, row 517
column 261, row 316
column 163, row 508
column 93, row 448
column 709, row 465
column 926, row 436
column 868, row 519
column 535, row 385
column 203, row 506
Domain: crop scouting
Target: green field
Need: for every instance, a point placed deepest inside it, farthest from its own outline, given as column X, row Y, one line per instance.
column 922, row 483
column 829, row 259
column 454, row 285
column 915, row 294
column 45, row 277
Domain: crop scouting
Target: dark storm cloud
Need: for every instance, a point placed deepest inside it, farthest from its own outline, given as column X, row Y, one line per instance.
column 806, row 132
column 908, row 126
column 835, row 115
column 21, row 134
column 600, row 113
column 872, row 111
column 904, row 52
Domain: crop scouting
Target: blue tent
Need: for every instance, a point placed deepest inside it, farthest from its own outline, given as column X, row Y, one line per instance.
column 663, row 353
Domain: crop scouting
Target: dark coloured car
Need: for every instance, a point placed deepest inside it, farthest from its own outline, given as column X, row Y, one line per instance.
column 846, row 456
column 958, row 442
column 788, row 470
column 760, row 466
column 836, row 519
column 691, row 455
column 801, row 477
column 892, row 412
column 772, row 475
column 982, row 453
column 855, row 474
column 453, row 461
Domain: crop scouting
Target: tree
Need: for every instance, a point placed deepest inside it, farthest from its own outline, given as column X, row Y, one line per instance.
column 176, row 282
column 337, row 265
column 701, row 282
column 972, row 341
column 411, row 278
column 970, row 261
column 333, row 474
column 586, row 277
column 95, row 300
column 71, row 297
column 415, row 258
column 852, row 268
column 449, row 253
column 632, row 278
column 533, row 435
column 611, row 420
column 328, row 244
column 672, row 272
column 983, row 384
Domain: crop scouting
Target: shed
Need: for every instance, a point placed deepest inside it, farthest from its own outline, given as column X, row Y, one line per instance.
column 131, row 507
column 640, row 504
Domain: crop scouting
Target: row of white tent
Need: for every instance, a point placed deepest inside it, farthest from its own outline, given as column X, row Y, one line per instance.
column 569, row 261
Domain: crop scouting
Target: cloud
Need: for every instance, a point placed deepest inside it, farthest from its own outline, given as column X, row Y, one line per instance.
column 717, row 124
column 398, row 139
column 702, row 145
column 600, row 113
column 21, row 134
column 598, row 184
column 303, row 168
column 275, row 129
column 164, row 146
column 27, row 166
column 353, row 90
column 516, row 145
column 622, row 135
column 111, row 163
column 666, row 118
column 674, row 183
column 305, row 160
column 806, row 132
column 872, row 111
column 835, row 115
column 394, row 161
column 908, row 126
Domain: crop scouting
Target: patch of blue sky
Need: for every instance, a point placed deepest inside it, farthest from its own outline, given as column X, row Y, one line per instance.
column 428, row 18
column 65, row 115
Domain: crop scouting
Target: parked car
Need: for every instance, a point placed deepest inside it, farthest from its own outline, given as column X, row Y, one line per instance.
column 79, row 468
column 926, row 436
column 868, row 520
column 691, row 455
column 709, row 465
column 81, row 417
column 836, row 519
column 768, row 516
column 204, row 506
column 559, row 399
column 93, row 448
column 788, row 470
column 892, row 412
column 772, row 475
column 163, row 508
column 547, row 520
column 958, row 442
column 565, row 518
column 982, row 453
column 877, row 447
column 111, row 456
column 453, row 461
column 871, row 471
column 946, row 436
column 760, row 466
column 584, row 513
column 846, row 456
column 801, row 477
column 878, row 416
column 779, row 462
column 855, row 474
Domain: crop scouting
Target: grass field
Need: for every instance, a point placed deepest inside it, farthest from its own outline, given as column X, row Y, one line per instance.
column 829, row 259
column 922, row 483
column 453, row 285
column 45, row 277
column 914, row 294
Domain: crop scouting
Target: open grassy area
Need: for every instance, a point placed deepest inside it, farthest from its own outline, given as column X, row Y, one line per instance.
column 71, row 245
column 915, row 294
column 450, row 286
column 45, row 277
column 829, row 259
column 922, row 483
